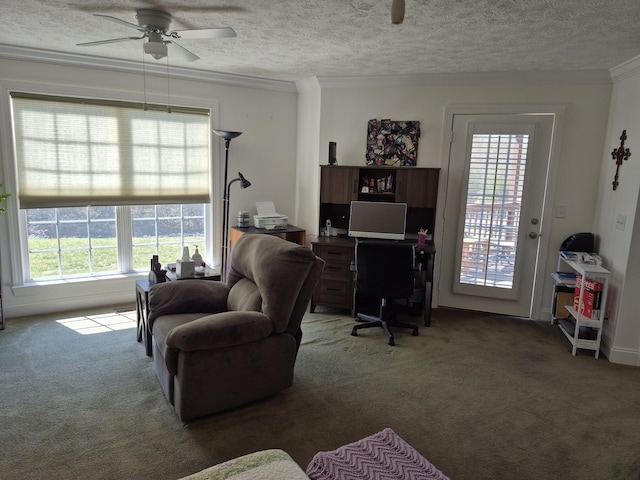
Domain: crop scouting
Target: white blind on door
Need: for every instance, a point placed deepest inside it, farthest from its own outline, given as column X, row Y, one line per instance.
column 492, row 213
column 77, row 152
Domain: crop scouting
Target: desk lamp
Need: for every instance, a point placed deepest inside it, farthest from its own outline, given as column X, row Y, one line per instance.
column 227, row 135
column 244, row 183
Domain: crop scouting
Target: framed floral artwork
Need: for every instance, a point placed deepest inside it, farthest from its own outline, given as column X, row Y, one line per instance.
column 392, row 142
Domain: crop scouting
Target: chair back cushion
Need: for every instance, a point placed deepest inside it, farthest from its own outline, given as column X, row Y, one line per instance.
column 245, row 296
column 269, row 274
column 384, row 268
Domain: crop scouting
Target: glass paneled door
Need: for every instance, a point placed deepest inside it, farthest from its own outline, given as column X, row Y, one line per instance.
column 493, row 214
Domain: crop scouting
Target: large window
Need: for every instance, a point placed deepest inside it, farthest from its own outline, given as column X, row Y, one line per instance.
column 81, row 241
column 106, row 185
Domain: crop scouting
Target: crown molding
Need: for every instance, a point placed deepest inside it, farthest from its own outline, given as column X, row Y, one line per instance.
column 87, row 61
column 569, row 77
column 627, row 69
column 573, row 77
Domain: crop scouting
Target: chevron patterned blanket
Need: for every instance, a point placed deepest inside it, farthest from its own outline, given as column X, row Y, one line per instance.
column 383, row 455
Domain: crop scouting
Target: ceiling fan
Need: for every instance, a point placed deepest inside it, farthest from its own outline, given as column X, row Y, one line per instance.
column 154, row 26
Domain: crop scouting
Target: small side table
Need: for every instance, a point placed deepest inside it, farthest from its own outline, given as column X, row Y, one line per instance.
column 142, row 314
column 209, row 274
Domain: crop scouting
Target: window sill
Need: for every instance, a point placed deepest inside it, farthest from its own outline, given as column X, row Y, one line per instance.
column 60, row 284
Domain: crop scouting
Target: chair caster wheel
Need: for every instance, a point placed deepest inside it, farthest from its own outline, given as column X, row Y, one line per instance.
column 415, row 333
column 391, row 342
column 354, row 332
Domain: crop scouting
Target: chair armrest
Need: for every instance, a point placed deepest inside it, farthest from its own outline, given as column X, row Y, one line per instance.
column 220, row 330
column 187, row 296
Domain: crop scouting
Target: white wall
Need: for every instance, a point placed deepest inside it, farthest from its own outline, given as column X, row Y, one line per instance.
column 308, row 187
column 620, row 249
column 345, row 111
column 265, row 153
column 286, row 135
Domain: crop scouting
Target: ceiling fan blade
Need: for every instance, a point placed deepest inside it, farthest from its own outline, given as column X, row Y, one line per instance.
column 112, row 40
column 397, row 11
column 224, row 32
column 121, row 22
column 180, row 51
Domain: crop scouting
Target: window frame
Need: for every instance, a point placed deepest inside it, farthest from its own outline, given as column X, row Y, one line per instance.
column 15, row 250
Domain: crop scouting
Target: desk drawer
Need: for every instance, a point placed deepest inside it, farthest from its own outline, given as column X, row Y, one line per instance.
column 335, row 288
column 334, row 254
column 333, row 293
column 336, row 272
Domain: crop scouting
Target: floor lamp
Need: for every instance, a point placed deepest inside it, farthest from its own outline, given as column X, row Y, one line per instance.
column 227, row 135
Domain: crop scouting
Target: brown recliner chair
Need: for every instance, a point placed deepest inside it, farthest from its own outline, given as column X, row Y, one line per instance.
column 220, row 345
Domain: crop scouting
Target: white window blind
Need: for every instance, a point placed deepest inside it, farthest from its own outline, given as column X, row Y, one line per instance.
column 493, row 205
column 76, row 152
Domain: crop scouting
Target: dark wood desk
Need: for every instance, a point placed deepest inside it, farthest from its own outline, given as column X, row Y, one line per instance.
column 290, row 233
column 426, row 260
column 336, row 286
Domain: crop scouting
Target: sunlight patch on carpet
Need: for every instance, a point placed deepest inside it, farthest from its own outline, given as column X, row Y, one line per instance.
column 107, row 322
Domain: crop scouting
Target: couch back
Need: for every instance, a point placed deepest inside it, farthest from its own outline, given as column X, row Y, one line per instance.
column 274, row 276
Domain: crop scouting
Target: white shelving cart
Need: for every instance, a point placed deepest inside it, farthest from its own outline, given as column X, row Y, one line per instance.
column 582, row 331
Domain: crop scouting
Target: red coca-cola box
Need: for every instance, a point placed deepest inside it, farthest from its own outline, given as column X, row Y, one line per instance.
column 591, row 300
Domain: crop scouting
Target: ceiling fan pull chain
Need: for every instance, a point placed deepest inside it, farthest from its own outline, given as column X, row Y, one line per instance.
column 144, row 83
column 168, row 88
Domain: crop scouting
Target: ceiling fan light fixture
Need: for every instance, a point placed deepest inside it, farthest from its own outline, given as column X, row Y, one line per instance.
column 154, row 26
column 157, row 50
column 397, row 12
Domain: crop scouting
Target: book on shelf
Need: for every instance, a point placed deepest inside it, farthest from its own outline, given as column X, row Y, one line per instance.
column 584, row 333
column 565, row 278
column 581, row 257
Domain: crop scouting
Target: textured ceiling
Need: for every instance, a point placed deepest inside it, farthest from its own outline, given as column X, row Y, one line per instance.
column 293, row 39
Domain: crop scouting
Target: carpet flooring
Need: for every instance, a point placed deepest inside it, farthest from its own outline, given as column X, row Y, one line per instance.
column 480, row 396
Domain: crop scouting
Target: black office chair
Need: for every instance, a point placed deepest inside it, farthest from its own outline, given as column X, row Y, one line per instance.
column 384, row 269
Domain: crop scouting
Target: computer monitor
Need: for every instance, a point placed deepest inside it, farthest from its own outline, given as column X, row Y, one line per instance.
column 384, row 220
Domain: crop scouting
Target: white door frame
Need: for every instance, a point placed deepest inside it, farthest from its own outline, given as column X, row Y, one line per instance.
column 549, row 195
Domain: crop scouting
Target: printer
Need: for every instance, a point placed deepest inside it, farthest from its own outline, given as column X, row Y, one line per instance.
column 268, row 218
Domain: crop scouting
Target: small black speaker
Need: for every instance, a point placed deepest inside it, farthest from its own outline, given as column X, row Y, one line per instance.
column 332, row 153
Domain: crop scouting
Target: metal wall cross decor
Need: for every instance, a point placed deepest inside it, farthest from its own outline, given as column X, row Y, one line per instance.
column 619, row 154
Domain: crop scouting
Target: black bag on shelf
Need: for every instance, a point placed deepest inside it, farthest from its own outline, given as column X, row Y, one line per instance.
column 579, row 242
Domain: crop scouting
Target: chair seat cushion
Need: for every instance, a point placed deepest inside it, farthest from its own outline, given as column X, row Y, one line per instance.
column 163, row 326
